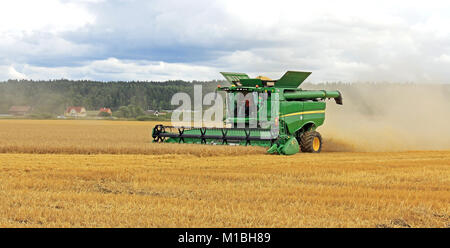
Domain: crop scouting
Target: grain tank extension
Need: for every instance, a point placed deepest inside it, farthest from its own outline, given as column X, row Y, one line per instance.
column 276, row 114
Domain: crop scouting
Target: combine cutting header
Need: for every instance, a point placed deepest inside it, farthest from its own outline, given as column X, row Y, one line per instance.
column 263, row 112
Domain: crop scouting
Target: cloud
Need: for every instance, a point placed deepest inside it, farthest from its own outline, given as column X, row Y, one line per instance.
column 20, row 17
column 115, row 69
column 338, row 40
column 10, row 72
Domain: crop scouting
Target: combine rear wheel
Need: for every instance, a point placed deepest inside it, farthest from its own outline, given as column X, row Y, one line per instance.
column 310, row 141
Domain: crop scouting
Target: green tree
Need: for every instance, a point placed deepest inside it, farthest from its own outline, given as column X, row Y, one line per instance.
column 123, row 112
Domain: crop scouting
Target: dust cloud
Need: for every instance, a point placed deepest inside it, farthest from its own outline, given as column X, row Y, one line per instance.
column 387, row 117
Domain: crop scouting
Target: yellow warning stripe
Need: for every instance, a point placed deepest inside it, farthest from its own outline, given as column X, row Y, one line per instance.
column 304, row 113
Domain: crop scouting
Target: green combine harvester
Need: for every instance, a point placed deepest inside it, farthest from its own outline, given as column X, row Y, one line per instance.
column 262, row 112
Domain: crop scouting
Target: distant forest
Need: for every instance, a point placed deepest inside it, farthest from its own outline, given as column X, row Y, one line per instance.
column 55, row 96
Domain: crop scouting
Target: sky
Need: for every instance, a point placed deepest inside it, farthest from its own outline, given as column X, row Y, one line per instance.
column 339, row 41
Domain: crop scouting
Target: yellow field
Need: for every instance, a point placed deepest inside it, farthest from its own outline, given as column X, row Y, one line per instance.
column 96, row 137
column 61, row 185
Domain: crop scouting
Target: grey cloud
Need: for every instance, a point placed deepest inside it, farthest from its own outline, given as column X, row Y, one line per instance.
column 390, row 44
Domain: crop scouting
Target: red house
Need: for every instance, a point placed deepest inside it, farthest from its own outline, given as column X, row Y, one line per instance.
column 19, row 110
column 75, row 112
column 105, row 110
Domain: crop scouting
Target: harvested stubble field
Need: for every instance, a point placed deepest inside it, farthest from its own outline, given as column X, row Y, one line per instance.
column 95, row 137
column 106, row 174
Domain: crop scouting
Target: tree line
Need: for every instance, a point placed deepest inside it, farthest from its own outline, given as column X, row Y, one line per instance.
column 54, row 96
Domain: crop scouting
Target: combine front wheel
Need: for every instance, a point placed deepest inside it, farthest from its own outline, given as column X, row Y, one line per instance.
column 311, row 141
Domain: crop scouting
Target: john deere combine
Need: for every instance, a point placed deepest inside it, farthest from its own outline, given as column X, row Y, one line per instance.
column 262, row 112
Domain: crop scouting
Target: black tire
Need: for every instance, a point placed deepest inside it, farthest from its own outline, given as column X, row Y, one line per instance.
column 308, row 142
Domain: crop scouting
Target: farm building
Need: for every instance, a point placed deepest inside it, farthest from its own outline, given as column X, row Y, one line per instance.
column 105, row 110
column 155, row 112
column 19, row 110
column 75, row 112
column 152, row 112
